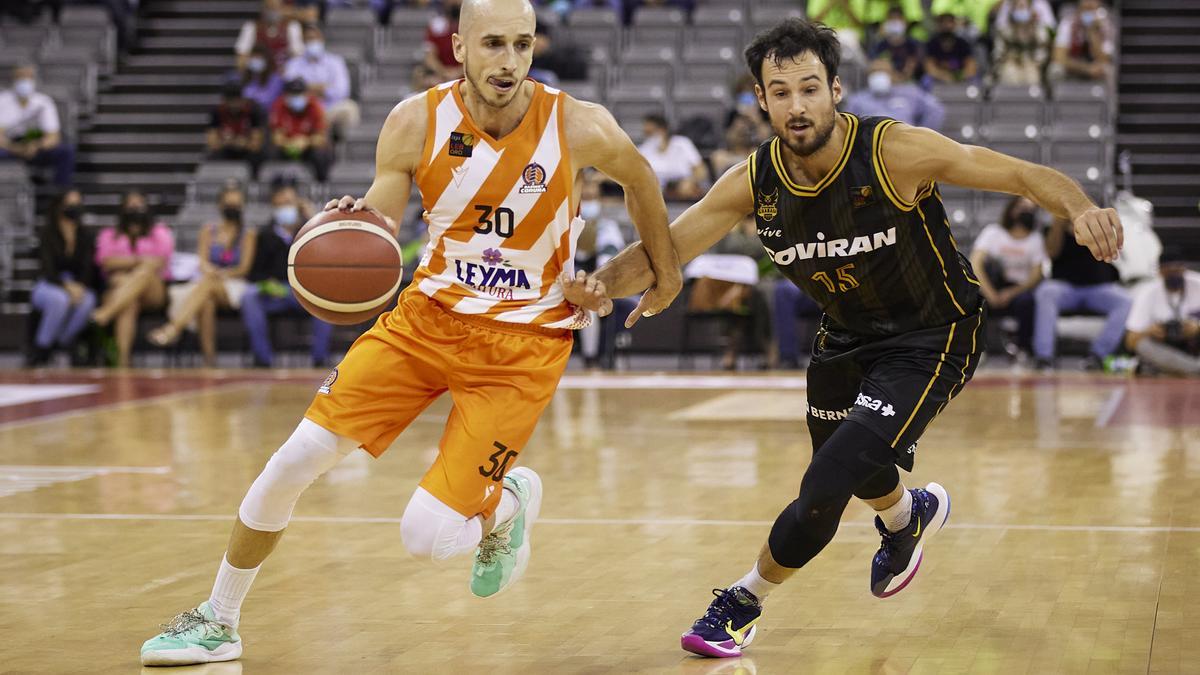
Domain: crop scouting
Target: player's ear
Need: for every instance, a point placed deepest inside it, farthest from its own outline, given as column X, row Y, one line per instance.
column 836, row 88
column 460, row 48
column 761, row 96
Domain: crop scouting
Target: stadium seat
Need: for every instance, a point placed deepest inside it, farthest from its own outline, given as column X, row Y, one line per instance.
column 710, row 101
column 649, row 66
column 764, row 16
column 212, row 175
column 1016, row 105
column 351, row 178
column 407, row 26
column 716, row 27
column 629, row 104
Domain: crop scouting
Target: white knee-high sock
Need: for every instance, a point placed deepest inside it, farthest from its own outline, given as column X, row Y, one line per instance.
column 229, row 590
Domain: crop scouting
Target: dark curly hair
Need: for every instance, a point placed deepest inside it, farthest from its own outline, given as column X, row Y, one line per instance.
column 791, row 38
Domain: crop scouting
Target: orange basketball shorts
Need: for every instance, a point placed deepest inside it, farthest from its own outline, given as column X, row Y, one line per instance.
column 500, row 376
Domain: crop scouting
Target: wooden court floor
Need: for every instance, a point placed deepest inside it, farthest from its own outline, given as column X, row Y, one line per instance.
column 1074, row 544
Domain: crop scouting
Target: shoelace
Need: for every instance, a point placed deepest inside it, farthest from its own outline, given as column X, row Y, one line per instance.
column 492, row 545
column 719, row 611
column 187, row 621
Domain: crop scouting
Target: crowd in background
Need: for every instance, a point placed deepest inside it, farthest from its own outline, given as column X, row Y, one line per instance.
column 289, row 98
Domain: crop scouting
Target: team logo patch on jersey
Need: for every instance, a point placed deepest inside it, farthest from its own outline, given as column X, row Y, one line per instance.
column 535, row 179
column 767, row 205
column 861, row 196
column 329, row 380
column 461, row 145
column 492, row 256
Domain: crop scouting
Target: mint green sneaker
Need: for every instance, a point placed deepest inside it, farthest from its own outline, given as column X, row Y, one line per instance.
column 192, row 637
column 503, row 554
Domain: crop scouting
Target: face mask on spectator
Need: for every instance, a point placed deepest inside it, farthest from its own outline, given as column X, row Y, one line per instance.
column 1087, row 18
column 894, row 27
column 257, row 65
column 297, row 102
column 1173, row 282
column 232, row 213
column 315, row 49
column 747, row 99
column 286, row 215
column 136, row 216
column 589, row 209
column 1024, row 219
column 1021, row 15
column 879, row 82
column 73, row 212
column 23, row 88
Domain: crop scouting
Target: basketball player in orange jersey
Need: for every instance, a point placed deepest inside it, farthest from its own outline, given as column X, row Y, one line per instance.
column 495, row 157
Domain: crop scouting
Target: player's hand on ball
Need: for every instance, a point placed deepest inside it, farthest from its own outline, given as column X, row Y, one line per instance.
column 586, row 292
column 659, row 297
column 1100, row 230
column 349, row 204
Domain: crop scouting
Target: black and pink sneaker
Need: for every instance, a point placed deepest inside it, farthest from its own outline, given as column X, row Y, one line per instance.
column 727, row 627
column 899, row 555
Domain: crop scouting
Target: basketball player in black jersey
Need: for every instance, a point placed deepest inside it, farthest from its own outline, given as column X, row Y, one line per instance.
column 849, row 210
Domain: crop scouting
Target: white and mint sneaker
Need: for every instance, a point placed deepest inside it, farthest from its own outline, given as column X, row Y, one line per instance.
column 192, row 637
column 503, row 554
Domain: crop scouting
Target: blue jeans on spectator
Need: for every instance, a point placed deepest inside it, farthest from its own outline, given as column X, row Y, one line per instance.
column 791, row 304
column 1055, row 296
column 61, row 157
column 61, row 321
column 257, row 306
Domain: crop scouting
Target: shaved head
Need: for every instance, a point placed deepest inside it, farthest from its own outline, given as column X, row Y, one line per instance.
column 488, row 12
column 494, row 43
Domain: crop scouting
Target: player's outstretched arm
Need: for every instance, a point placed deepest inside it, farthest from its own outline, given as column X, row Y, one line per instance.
column 597, row 140
column 913, row 156
column 397, row 156
column 694, row 232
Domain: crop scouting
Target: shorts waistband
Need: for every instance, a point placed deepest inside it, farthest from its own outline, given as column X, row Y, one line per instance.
column 501, row 326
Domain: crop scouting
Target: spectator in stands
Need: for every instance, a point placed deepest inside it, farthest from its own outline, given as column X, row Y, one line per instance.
column 1078, row 282
column 745, row 130
column 554, row 61
column 975, row 13
column 298, row 128
column 674, row 158
column 897, row 46
column 328, row 79
column 269, row 293
column 64, row 292
column 439, row 48
column 796, row 317
column 904, row 101
column 1042, row 10
column 1083, row 46
column 600, row 240
column 30, row 130
column 1008, row 260
column 725, row 292
column 261, row 82
column 1164, row 321
column 1022, row 46
column 279, row 36
column 134, row 257
column 226, row 252
column 235, row 127
column 948, row 57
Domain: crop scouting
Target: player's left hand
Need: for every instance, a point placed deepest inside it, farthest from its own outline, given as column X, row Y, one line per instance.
column 586, row 292
column 659, row 297
column 1100, row 230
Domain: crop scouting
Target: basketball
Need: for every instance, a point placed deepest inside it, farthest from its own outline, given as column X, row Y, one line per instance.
column 345, row 268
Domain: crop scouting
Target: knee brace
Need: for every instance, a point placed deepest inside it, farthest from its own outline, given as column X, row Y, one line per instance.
column 309, row 452
column 431, row 530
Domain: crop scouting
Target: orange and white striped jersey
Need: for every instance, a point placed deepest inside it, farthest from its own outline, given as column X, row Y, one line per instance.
column 502, row 226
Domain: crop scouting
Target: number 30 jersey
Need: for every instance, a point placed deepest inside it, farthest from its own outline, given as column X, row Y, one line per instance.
column 500, row 213
column 877, row 264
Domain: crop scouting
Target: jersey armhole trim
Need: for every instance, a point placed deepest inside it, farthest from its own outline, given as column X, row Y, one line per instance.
column 431, row 104
column 881, row 173
column 750, row 172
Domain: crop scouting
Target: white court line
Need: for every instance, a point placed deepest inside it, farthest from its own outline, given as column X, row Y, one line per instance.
column 668, row 381
column 656, row 522
column 1110, row 407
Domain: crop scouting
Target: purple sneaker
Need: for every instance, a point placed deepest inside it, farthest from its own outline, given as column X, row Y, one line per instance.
column 899, row 555
column 727, row 626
